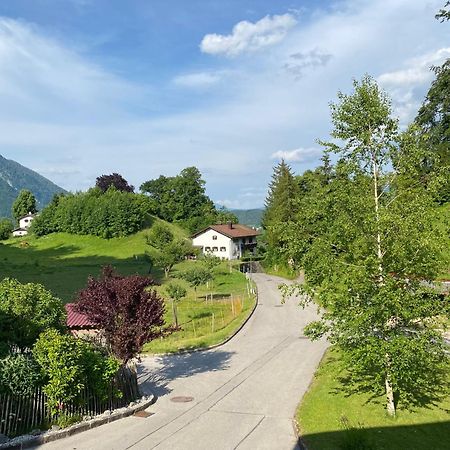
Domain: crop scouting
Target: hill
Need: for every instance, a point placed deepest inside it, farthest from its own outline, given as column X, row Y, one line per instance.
column 250, row 217
column 14, row 177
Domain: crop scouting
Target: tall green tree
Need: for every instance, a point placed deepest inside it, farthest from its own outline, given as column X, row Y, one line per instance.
column 369, row 264
column 6, row 228
column 25, row 203
column 280, row 208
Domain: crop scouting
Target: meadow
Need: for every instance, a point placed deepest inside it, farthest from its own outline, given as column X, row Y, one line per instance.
column 63, row 262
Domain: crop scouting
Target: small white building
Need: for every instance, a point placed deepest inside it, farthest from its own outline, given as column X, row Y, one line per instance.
column 227, row 241
column 24, row 224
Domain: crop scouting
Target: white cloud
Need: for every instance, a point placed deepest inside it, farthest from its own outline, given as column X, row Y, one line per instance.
column 55, row 102
column 200, row 79
column 249, row 37
column 417, row 70
column 297, row 155
column 415, row 75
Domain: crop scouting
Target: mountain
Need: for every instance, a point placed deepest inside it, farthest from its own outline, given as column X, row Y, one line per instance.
column 14, row 177
column 250, row 217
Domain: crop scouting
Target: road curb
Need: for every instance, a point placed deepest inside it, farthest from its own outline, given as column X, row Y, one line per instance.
column 29, row 441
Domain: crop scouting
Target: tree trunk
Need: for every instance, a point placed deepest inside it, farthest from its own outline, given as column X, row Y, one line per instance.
column 390, row 404
column 166, row 271
column 377, row 217
column 175, row 315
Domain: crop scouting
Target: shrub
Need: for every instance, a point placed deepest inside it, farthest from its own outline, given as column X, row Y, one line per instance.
column 19, row 374
column 25, row 311
column 70, row 365
column 6, row 228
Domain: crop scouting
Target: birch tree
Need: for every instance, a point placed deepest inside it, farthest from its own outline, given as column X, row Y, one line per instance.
column 372, row 266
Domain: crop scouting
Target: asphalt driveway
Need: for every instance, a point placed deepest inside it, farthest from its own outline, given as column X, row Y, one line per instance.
column 244, row 393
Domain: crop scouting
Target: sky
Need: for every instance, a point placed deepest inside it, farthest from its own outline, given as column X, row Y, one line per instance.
column 149, row 87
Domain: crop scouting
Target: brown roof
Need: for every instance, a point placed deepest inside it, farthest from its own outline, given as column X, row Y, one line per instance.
column 236, row 231
column 76, row 319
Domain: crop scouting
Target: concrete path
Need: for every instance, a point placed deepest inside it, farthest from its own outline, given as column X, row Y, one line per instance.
column 244, row 392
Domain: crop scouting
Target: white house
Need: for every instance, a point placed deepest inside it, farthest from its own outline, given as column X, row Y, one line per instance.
column 24, row 224
column 227, row 241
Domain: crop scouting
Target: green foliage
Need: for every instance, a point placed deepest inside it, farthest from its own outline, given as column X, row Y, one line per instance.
column 6, row 228
column 107, row 215
column 197, row 276
column 25, row 203
column 175, row 291
column 280, row 210
column 171, row 250
column 433, row 132
column 25, row 311
column 367, row 239
column 69, row 365
column 210, row 262
column 225, row 216
column 181, row 199
column 19, row 374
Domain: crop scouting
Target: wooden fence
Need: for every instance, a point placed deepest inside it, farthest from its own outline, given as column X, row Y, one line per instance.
column 19, row 415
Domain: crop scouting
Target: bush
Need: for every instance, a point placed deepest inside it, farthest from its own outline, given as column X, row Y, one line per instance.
column 19, row 374
column 6, row 228
column 25, row 311
column 70, row 365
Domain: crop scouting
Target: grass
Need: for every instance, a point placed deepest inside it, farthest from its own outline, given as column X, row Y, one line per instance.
column 329, row 419
column 62, row 263
column 204, row 321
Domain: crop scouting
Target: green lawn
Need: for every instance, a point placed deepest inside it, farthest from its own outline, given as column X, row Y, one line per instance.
column 326, row 407
column 203, row 321
column 62, row 263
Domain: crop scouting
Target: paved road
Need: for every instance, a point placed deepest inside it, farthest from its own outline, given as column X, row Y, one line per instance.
column 245, row 392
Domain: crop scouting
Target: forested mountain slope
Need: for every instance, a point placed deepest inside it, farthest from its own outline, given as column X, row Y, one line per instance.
column 14, row 177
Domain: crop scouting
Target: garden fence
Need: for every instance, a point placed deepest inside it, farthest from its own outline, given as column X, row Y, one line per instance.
column 20, row 414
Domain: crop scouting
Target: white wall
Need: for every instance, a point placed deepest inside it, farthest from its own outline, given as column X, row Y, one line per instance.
column 206, row 240
column 25, row 222
column 18, row 233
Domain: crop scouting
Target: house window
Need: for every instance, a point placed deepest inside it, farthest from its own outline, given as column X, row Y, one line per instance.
column 223, row 249
column 215, row 249
column 207, row 249
column 214, row 238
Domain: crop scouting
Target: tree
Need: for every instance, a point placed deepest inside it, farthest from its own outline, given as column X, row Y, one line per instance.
column 175, row 292
column 368, row 266
column 182, row 199
column 280, row 209
column 432, row 127
column 223, row 215
column 122, row 307
column 170, row 250
column 444, row 13
column 197, row 276
column 6, row 228
column 25, row 203
column 26, row 310
column 115, row 180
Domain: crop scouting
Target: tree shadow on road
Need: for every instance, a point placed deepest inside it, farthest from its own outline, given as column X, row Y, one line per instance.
column 156, row 379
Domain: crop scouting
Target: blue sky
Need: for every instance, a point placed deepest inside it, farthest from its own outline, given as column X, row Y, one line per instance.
column 145, row 88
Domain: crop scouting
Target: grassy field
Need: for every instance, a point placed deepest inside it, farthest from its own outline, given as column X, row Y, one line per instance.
column 62, row 263
column 205, row 321
column 326, row 413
